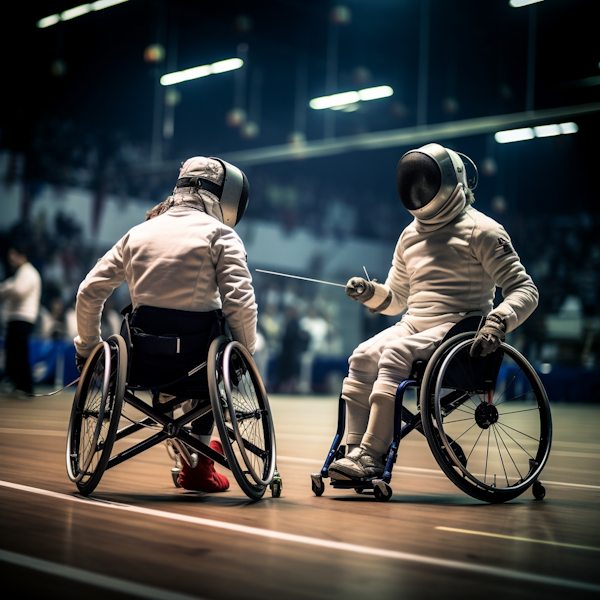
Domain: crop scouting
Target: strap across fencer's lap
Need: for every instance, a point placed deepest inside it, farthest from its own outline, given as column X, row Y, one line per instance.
column 165, row 345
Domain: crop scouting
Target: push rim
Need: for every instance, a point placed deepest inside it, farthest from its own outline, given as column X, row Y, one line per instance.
column 505, row 432
column 222, row 414
column 88, row 414
column 252, row 426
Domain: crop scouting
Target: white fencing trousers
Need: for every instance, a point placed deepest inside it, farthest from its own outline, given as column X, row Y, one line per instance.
column 377, row 367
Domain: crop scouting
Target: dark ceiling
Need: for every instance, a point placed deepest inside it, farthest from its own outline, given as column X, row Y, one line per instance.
column 91, row 72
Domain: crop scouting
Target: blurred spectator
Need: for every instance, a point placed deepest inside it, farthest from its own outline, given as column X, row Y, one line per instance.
column 293, row 343
column 317, row 330
column 52, row 322
column 271, row 325
column 21, row 294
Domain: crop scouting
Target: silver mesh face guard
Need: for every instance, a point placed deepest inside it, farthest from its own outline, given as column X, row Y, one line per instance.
column 427, row 177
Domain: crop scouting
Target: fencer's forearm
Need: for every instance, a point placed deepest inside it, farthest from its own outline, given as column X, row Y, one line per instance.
column 99, row 284
column 390, row 298
column 235, row 287
column 502, row 263
column 520, row 300
column 386, row 301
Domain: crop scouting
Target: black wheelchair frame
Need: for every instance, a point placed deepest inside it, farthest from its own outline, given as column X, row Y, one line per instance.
column 471, row 389
column 238, row 401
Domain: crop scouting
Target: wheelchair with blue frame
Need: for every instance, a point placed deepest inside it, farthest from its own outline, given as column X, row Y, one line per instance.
column 196, row 362
column 486, row 420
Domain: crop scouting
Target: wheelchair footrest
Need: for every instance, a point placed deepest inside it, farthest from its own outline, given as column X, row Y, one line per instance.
column 368, row 483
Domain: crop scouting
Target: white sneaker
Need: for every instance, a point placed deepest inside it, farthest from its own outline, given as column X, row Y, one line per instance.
column 358, row 464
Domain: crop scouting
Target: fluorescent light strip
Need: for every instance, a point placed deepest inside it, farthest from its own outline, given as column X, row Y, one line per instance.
column 514, row 135
column 566, row 128
column 528, row 133
column 77, row 11
column 338, row 101
column 221, row 66
column 520, row 3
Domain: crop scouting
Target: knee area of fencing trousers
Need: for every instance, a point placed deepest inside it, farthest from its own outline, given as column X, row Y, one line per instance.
column 377, row 367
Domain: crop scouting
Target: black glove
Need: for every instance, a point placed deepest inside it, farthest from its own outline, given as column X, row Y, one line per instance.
column 360, row 290
column 80, row 361
column 489, row 337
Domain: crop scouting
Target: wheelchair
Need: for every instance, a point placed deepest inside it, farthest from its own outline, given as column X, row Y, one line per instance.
column 235, row 395
column 486, row 420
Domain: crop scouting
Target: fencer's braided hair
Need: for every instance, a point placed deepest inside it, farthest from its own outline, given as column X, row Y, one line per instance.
column 160, row 208
column 470, row 196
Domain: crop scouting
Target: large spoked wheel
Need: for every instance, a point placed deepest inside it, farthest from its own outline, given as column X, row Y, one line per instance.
column 242, row 415
column 95, row 414
column 487, row 420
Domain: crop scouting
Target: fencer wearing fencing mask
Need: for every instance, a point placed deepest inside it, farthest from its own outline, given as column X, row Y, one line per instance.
column 186, row 257
column 446, row 266
column 222, row 187
column 432, row 184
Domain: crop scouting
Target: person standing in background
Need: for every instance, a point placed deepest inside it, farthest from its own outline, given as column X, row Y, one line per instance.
column 21, row 298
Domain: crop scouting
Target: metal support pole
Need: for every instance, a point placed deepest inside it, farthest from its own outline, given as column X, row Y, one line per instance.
column 423, row 84
column 531, row 46
column 333, row 35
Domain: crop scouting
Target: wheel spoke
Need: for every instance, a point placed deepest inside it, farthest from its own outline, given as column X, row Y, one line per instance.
column 486, row 457
column 466, row 430
column 508, row 452
column 497, row 403
column 500, row 454
column 501, row 426
column 521, row 432
column 514, row 412
column 475, row 444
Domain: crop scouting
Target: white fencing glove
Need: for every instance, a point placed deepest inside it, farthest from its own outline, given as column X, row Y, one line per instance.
column 360, row 290
column 489, row 337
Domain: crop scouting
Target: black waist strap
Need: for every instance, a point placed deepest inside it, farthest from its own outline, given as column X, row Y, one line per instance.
column 168, row 344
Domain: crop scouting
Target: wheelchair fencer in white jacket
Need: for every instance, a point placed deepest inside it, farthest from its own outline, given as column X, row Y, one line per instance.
column 446, row 267
column 185, row 256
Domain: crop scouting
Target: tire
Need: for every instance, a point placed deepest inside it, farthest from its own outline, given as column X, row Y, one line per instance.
column 95, row 414
column 487, row 420
column 242, row 416
column 381, row 495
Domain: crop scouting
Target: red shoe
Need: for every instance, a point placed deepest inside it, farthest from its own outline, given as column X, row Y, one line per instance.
column 203, row 478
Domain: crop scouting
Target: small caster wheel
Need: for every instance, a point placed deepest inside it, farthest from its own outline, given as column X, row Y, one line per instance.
column 276, row 486
column 175, row 474
column 539, row 491
column 382, row 491
column 359, row 490
column 318, row 487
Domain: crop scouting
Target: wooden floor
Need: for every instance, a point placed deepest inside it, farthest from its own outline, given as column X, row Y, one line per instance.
column 139, row 536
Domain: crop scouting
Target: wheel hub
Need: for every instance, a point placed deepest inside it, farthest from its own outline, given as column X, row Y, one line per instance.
column 486, row 415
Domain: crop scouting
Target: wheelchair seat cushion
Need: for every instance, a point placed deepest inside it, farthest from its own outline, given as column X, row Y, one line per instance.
column 169, row 343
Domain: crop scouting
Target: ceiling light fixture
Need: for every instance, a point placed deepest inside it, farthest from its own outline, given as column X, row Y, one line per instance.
column 77, row 11
column 221, row 66
column 528, row 133
column 520, row 3
column 338, row 101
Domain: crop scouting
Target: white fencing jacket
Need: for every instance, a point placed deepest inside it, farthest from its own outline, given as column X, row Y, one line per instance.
column 22, row 293
column 184, row 259
column 454, row 267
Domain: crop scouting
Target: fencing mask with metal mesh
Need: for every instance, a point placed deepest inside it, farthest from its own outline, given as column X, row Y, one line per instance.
column 231, row 188
column 428, row 176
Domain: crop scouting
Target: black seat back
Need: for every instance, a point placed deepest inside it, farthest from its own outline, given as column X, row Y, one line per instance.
column 471, row 374
column 167, row 344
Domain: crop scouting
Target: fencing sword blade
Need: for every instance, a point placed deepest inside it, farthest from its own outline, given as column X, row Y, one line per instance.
column 302, row 278
column 365, row 270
